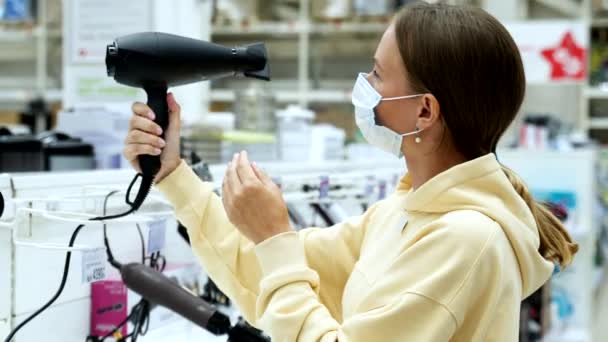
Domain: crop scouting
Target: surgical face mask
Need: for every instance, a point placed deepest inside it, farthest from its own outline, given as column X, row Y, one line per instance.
column 365, row 99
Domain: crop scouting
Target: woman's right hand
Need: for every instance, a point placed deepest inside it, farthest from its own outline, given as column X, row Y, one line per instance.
column 144, row 138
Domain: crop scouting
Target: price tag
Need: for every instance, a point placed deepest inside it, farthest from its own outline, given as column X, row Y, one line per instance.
column 324, row 187
column 395, row 180
column 369, row 186
column 156, row 236
column 382, row 190
column 93, row 265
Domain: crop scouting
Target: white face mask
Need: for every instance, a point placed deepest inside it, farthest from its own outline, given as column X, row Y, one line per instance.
column 365, row 99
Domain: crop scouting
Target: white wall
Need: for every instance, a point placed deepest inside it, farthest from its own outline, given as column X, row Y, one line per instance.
column 184, row 17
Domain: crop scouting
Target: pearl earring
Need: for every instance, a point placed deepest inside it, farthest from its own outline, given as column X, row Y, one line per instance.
column 418, row 140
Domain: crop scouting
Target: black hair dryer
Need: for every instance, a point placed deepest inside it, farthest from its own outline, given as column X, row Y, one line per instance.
column 156, row 61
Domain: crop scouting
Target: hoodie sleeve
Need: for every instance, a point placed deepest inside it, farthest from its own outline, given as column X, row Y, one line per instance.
column 289, row 308
column 427, row 292
column 230, row 259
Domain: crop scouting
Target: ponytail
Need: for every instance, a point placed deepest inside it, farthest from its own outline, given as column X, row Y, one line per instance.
column 555, row 242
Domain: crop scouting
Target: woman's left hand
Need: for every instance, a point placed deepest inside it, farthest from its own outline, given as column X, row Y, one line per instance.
column 253, row 202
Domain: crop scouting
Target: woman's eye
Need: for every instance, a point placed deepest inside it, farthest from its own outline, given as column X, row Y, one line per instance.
column 375, row 73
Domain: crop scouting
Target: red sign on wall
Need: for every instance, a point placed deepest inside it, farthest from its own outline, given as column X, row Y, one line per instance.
column 568, row 59
column 552, row 51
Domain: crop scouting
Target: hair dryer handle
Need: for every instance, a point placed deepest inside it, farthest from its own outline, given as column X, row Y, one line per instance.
column 157, row 101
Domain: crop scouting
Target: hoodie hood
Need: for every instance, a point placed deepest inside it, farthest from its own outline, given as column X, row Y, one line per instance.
column 481, row 185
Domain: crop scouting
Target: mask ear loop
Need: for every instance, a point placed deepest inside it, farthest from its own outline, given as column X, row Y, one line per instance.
column 401, row 97
column 416, row 132
column 418, row 139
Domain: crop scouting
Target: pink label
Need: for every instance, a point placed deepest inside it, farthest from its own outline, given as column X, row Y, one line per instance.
column 108, row 307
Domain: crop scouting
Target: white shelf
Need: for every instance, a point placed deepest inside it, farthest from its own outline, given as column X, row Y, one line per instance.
column 330, row 96
column 15, row 36
column 596, row 93
column 20, row 36
column 20, row 95
column 313, row 96
column 292, row 28
column 349, row 27
column 262, row 28
column 598, row 123
column 568, row 7
column 599, row 22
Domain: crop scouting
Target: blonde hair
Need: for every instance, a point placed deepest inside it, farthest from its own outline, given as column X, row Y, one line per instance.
column 556, row 244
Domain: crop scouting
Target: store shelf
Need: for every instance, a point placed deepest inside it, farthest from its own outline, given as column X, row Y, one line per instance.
column 292, row 28
column 598, row 123
column 349, row 27
column 599, row 22
column 283, row 96
column 15, row 36
column 21, row 36
column 9, row 83
column 330, row 96
column 596, row 93
column 262, row 28
column 568, row 7
column 19, row 95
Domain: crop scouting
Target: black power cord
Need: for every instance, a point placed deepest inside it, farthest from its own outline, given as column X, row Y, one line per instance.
column 140, row 312
column 64, row 278
column 144, row 189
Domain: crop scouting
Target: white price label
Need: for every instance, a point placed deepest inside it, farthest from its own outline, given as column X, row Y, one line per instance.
column 93, row 265
column 324, row 187
column 156, row 236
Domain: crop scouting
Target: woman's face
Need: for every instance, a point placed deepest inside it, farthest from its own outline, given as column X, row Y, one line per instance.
column 389, row 78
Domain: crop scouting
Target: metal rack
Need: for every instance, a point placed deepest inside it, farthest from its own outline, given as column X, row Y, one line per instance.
column 301, row 30
column 304, row 29
column 592, row 93
column 37, row 37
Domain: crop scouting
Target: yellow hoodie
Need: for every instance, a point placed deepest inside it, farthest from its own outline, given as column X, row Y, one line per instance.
column 449, row 261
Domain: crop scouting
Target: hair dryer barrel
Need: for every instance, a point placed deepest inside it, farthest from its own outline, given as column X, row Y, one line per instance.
column 159, row 289
column 146, row 58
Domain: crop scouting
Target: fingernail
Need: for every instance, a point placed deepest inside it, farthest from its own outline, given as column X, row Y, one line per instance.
column 157, row 151
column 159, row 130
column 151, row 115
column 161, row 142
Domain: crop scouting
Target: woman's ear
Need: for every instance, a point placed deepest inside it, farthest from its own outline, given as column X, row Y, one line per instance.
column 429, row 111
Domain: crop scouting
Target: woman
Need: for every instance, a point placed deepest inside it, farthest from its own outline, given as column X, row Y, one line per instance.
column 449, row 256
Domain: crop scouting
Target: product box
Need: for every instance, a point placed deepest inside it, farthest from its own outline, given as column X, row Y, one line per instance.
column 108, row 307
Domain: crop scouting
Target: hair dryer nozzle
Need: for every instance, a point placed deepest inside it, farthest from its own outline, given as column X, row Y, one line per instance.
column 256, row 65
column 111, row 55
